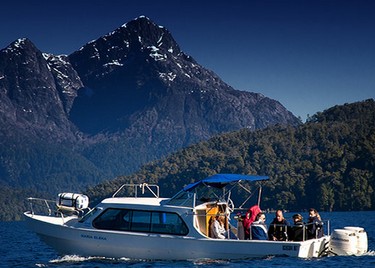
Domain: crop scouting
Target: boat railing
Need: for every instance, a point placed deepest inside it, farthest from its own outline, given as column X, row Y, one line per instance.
column 41, row 206
column 139, row 189
column 46, row 207
column 324, row 224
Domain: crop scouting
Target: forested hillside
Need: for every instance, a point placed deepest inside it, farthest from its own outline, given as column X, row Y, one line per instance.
column 327, row 163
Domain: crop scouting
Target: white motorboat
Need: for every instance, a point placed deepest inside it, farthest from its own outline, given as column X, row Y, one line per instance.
column 177, row 228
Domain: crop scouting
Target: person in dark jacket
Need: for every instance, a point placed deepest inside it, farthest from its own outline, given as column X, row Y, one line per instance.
column 314, row 225
column 259, row 228
column 278, row 229
column 298, row 231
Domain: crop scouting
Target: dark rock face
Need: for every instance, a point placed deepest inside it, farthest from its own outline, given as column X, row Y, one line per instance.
column 128, row 97
column 138, row 79
column 36, row 90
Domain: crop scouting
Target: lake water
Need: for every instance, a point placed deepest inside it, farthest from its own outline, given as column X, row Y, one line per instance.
column 21, row 248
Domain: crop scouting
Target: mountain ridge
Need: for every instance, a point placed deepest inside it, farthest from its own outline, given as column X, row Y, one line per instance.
column 127, row 98
column 171, row 73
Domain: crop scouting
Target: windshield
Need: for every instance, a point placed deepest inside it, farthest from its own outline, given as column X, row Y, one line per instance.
column 199, row 195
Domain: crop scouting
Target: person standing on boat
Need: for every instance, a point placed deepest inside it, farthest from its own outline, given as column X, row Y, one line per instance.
column 246, row 225
column 314, row 225
column 249, row 219
column 259, row 228
column 218, row 227
column 278, row 230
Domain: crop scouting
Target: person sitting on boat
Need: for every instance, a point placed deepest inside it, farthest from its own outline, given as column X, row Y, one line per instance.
column 219, row 230
column 218, row 227
column 278, row 228
column 249, row 219
column 314, row 225
column 259, row 228
column 298, row 231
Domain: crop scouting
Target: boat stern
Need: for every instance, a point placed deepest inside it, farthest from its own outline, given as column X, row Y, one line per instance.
column 314, row 248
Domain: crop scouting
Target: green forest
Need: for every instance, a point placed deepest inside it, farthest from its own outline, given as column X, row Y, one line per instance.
column 327, row 163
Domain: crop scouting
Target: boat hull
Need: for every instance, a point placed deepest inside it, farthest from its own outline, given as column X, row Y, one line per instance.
column 67, row 239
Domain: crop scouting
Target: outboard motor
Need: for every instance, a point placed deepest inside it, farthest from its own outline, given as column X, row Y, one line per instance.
column 362, row 242
column 349, row 241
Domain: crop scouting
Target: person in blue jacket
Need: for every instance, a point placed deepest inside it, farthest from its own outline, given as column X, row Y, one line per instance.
column 259, row 228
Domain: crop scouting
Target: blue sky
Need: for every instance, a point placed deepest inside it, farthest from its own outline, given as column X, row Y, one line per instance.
column 308, row 54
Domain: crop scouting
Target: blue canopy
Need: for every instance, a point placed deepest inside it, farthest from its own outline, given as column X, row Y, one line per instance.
column 221, row 180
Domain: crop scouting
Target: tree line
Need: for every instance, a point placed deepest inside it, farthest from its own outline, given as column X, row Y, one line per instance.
column 327, row 163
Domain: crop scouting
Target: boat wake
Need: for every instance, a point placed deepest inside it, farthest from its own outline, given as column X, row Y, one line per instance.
column 369, row 253
column 203, row 262
column 78, row 259
column 70, row 258
column 98, row 261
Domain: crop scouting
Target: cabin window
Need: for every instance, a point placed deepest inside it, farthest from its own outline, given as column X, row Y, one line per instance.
column 141, row 221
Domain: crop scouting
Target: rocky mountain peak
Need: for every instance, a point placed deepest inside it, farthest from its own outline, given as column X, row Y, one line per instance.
column 18, row 46
column 129, row 97
column 138, row 72
column 26, row 79
column 140, row 41
column 32, row 95
column 149, row 35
